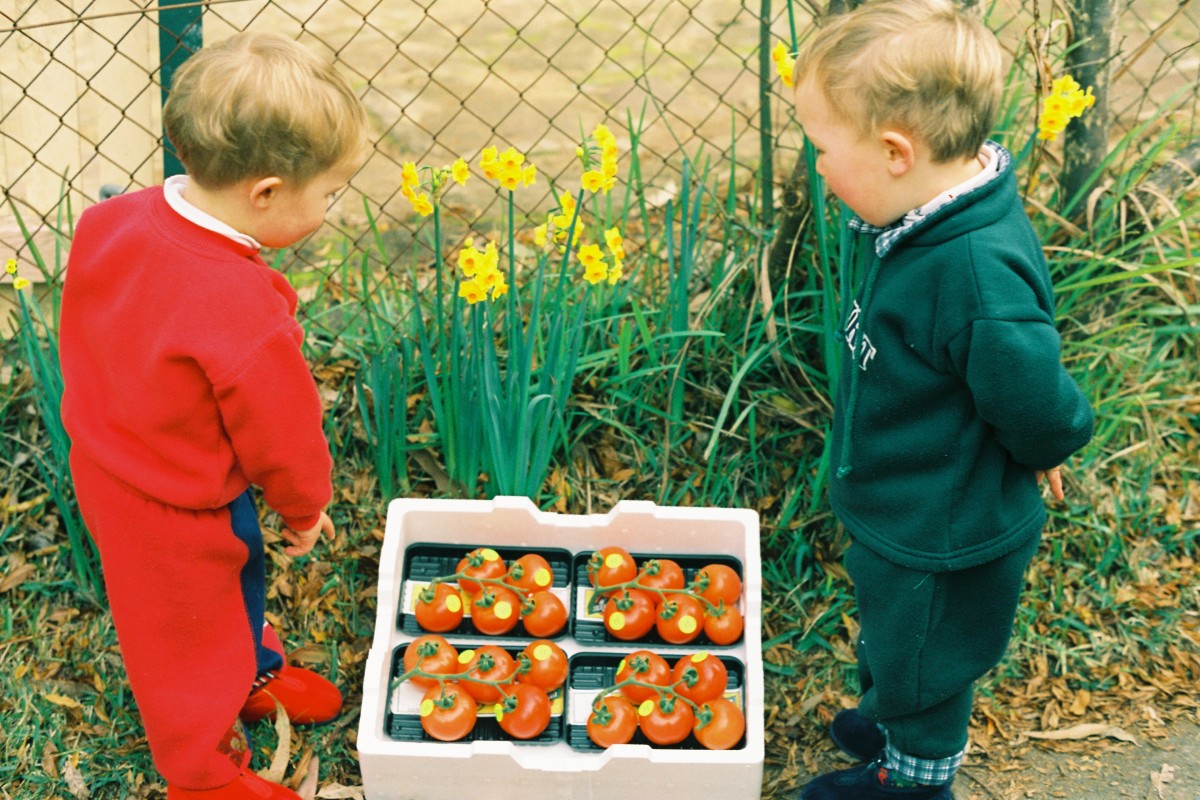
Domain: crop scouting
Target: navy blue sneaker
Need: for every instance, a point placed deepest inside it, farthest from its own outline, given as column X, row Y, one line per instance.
column 865, row 782
column 857, row 736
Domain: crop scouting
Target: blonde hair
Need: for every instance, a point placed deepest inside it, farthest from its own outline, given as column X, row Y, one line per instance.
column 258, row 105
column 921, row 65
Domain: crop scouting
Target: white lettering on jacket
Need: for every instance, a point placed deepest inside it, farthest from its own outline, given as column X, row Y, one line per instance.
column 868, row 351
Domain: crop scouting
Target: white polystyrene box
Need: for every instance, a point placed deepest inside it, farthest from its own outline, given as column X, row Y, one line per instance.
column 396, row 770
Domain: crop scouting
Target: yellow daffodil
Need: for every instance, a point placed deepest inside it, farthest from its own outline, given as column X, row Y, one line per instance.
column 489, row 163
column 1065, row 102
column 615, row 271
column 539, row 235
column 460, row 172
column 529, row 175
column 612, row 238
column 491, row 257
column 20, row 283
column 590, row 254
column 422, row 205
column 510, row 179
column 410, row 175
column 592, row 180
column 469, row 261
column 784, row 64
column 490, row 279
column 10, row 266
column 500, row 289
column 596, row 272
column 472, row 292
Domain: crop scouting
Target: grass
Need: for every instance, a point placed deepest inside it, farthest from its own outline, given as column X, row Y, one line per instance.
column 693, row 387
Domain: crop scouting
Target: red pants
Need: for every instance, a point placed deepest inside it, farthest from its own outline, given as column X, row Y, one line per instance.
column 176, row 581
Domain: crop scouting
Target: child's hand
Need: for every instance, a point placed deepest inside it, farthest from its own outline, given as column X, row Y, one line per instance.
column 300, row 542
column 1053, row 478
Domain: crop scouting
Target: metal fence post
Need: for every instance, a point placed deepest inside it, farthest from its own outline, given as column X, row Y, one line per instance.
column 1085, row 143
column 180, row 34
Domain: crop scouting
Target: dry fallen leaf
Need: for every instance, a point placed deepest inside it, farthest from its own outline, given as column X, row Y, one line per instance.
column 308, row 787
column 76, row 785
column 62, row 700
column 335, row 791
column 279, row 761
column 49, row 753
column 1160, row 779
column 1083, row 732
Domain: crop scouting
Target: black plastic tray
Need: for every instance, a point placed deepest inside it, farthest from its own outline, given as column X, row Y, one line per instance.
column 592, row 631
column 597, row 671
column 407, row 727
column 424, row 561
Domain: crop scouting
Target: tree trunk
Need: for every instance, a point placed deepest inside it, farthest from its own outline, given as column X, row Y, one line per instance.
column 1086, row 140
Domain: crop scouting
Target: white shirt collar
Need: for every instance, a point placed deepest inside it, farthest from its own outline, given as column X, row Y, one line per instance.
column 173, row 192
column 992, row 166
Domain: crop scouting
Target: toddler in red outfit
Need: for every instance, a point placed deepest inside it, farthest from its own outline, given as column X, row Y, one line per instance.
column 184, row 386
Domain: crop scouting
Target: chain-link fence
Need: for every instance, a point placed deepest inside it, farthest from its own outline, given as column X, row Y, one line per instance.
column 80, row 86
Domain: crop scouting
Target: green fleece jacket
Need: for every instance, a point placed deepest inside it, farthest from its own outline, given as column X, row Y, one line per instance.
column 953, row 393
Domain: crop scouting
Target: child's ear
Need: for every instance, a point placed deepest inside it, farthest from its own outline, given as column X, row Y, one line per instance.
column 901, row 152
column 263, row 191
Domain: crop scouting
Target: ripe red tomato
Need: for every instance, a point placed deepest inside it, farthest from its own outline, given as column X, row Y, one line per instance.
column 495, row 610
column 530, row 573
column 489, row 663
column 542, row 664
column 447, row 712
column 661, row 573
column 439, row 607
column 645, row 666
column 700, row 677
column 431, row 654
column 724, row 626
column 543, row 614
column 525, row 712
column 680, row 618
column 613, row 720
column 629, row 614
column 483, row 562
column 667, row 720
column 609, row 566
column 717, row 583
column 719, row 724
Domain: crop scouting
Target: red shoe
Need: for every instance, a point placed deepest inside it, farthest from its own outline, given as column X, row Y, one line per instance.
column 236, row 745
column 246, row 786
column 307, row 698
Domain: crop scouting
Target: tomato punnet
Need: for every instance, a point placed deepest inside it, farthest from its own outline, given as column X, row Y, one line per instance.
column 439, row 607
column 543, row 614
column 667, row 720
column 700, row 677
column 717, row 583
column 719, row 724
column 530, row 573
column 613, row 720
column 495, row 610
column 447, row 712
column 433, row 654
column 680, row 618
column 661, row 573
column 489, row 663
column 525, row 712
column 483, row 562
column 629, row 614
column 723, row 626
column 609, row 566
column 645, row 666
column 542, row 664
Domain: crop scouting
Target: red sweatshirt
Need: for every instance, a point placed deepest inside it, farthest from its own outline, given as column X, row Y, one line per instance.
column 181, row 361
